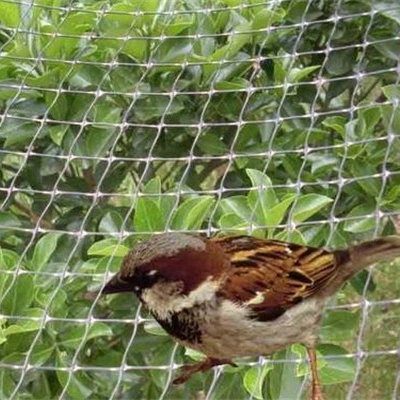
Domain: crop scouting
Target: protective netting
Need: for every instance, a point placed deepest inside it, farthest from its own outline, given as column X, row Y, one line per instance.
column 121, row 118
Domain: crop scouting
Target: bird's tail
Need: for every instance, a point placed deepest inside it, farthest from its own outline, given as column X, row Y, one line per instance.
column 362, row 255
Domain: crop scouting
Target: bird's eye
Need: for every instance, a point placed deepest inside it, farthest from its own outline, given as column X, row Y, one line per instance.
column 145, row 280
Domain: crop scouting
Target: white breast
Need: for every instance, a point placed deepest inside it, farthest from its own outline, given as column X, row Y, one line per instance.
column 229, row 333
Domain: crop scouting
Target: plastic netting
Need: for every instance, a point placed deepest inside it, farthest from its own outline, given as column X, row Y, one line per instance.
column 123, row 118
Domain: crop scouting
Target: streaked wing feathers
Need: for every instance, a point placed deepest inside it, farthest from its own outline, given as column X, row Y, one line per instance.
column 270, row 276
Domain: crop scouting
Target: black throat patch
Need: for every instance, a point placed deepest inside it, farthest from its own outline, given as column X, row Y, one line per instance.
column 184, row 325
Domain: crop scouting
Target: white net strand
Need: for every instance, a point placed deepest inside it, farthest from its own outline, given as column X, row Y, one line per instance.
column 79, row 349
column 361, row 353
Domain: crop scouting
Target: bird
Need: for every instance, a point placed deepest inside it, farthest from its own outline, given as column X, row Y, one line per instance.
column 238, row 296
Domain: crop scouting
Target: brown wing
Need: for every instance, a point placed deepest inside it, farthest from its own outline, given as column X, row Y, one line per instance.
column 270, row 276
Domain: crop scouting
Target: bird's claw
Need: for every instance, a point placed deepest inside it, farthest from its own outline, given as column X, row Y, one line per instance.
column 207, row 364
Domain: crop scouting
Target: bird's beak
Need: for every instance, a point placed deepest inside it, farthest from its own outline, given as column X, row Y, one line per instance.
column 114, row 285
column 117, row 285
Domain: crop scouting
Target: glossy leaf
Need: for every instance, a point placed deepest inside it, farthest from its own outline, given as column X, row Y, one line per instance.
column 44, row 249
column 361, row 219
column 308, row 205
column 254, row 379
column 148, row 216
column 339, row 325
column 18, row 295
column 76, row 335
column 108, row 247
column 192, row 213
column 76, row 383
column 238, row 206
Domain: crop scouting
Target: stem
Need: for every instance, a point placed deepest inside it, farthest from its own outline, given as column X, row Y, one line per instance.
column 43, row 223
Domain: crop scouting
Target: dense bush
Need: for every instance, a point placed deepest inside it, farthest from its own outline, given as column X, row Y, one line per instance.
column 123, row 118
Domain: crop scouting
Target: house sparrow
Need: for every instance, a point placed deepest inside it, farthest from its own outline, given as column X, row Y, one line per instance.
column 238, row 296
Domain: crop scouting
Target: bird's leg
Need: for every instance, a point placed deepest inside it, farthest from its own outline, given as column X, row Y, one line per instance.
column 316, row 390
column 189, row 370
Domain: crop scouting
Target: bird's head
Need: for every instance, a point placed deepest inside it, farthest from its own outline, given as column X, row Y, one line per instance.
column 171, row 268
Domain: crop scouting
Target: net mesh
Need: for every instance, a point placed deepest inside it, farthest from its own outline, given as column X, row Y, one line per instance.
column 123, row 118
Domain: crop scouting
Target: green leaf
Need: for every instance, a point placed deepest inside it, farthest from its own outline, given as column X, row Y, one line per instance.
column 280, row 72
column 337, row 370
column 339, row 325
column 153, row 186
column 8, row 220
column 323, row 162
column 154, row 328
column 7, row 380
column 76, row 335
column 8, row 259
column 370, row 185
column 99, row 141
column 111, row 223
column 336, row 123
column 331, row 370
column 135, row 48
column 17, row 132
column 25, row 325
column 263, row 183
column 341, row 61
column 156, row 107
column 40, row 354
column 361, row 219
column 297, row 74
column 283, row 381
column 391, row 92
column 237, row 205
column 359, row 282
column 194, row 355
column 211, row 144
column 148, row 216
column 235, row 43
column 191, row 214
column 178, row 24
column 108, row 247
column 9, row 14
column 303, row 367
column 389, row 8
column 293, row 236
column 277, row 213
column 44, row 249
column 3, row 337
column 370, row 118
column 262, row 198
column 168, row 202
column 105, row 114
column 77, row 384
column 391, row 118
column 102, row 265
column 308, row 205
column 230, row 222
column 19, row 296
column 234, row 84
column 254, row 379
column 339, row 87
column 266, row 17
column 57, row 307
column 57, row 133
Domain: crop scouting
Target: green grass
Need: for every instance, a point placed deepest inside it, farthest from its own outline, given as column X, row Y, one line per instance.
column 378, row 373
